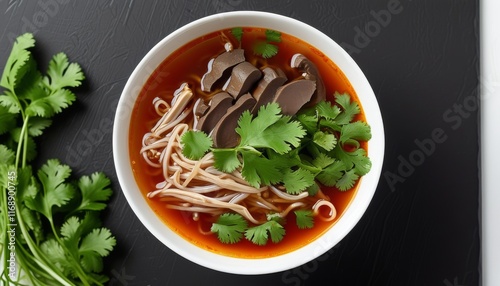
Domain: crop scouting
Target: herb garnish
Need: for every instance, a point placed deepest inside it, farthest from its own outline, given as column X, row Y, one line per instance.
column 294, row 151
column 230, row 228
column 319, row 145
column 237, row 33
column 56, row 236
column 304, row 218
column 265, row 48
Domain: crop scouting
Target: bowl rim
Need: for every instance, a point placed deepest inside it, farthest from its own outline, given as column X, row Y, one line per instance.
column 194, row 253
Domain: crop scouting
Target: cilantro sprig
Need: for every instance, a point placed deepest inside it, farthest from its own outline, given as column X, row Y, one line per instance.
column 337, row 150
column 229, row 227
column 232, row 227
column 268, row 131
column 304, row 219
column 59, row 239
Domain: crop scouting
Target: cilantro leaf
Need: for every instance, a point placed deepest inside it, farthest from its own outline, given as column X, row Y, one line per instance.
column 37, row 125
column 322, row 160
column 269, row 129
column 19, row 55
column 326, row 110
column 93, row 247
column 350, row 109
column 259, row 234
column 229, row 227
column 94, row 192
column 273, row 36
column 284, row 133
column 71, row 229
column 259, row 170
column 237, row 33
column 27, row 187
column 356, row 130
column 276, row 230
column 33, row 222
column 297, row 181
column 86, row 242
column 284, row 161
column 325, row 140
column 55, row 253
column 7, row 120
column 51, row 104
column 75, row 228
column 32, row 88
column 195, row 144
column 9, row 101
column 330, row 124
column 313, row 189
column 331, row 174
column 61, row 73
column 347, row 180
column 30, row 149
column 304, row 219
column 356, row 160
column 6, row 155
column 248, row 127
column 56, row 192
column 99, row 240
column 309, row 122
column 265, row 49
column 226, row 160
column 362, row 164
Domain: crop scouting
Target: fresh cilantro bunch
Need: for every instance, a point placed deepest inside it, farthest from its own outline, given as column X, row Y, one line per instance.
column 333, row 149
column 321, row 145
column 54, row 233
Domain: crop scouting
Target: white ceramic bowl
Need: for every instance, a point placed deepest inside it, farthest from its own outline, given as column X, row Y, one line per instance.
column 240, row 19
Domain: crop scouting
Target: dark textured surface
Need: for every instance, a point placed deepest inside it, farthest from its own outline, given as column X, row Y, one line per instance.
column 422, row 227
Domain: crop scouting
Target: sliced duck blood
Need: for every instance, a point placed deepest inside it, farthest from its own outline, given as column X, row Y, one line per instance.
column 267, row 86
column 218, row 66
column 200, row 107
column 224, row 134
column 311, row 72
column 243, row 76
column 217, row 109
column 292, row 96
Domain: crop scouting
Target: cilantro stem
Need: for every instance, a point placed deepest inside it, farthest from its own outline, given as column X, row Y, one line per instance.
column 40, row 261
column 24, row 131
column 76, row 266
column 23, row 141
column 250, row 149
column 26, row 263
column 3, row 247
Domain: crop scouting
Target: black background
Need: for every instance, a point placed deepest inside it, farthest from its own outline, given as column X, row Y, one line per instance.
column 422, row 226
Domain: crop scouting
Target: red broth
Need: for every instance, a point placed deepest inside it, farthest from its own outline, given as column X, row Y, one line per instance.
column 188, row 64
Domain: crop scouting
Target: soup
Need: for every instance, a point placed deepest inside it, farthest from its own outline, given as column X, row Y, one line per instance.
column 185, row 73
